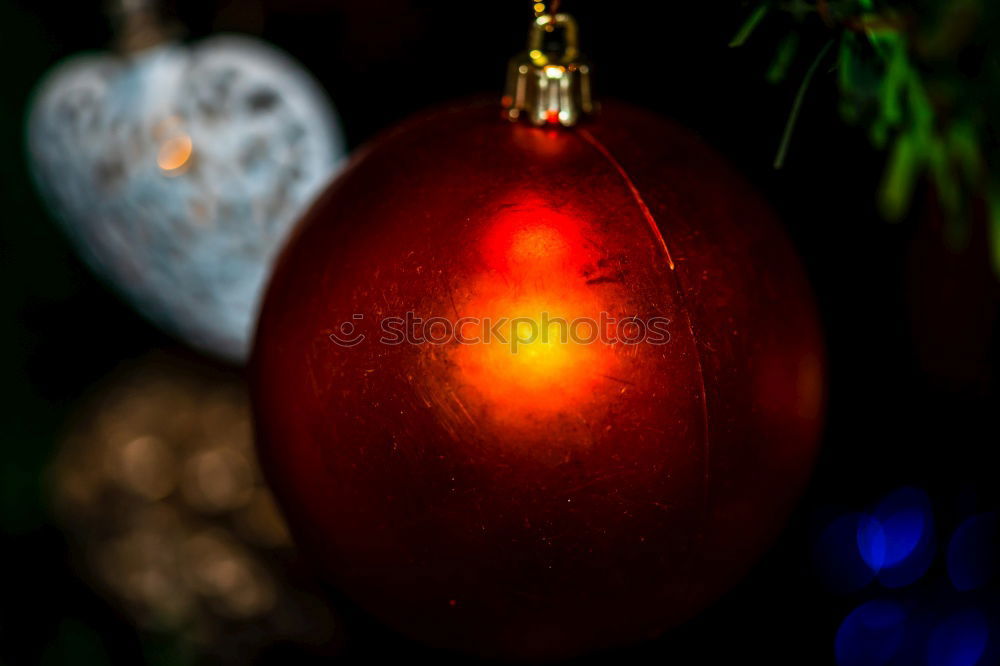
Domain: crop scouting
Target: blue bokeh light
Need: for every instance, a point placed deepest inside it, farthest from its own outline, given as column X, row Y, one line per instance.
column 973, row 552
column 837, row 556
column 871, row 635
column 871, row 542
column 904, row 529
column 959, row 640
column 897, row 541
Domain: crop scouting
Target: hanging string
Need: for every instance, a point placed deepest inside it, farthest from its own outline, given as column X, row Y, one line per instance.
column 139, row 24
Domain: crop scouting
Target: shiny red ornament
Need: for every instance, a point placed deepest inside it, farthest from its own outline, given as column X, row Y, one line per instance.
column 567, row 496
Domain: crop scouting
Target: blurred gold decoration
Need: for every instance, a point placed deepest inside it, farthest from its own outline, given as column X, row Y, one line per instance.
column 157, row 486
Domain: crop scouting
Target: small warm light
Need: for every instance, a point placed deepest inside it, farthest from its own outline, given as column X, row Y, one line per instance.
column 539, row 7
column 554, row 71
column 218, row 479
column 145, row 466
column 174, row 154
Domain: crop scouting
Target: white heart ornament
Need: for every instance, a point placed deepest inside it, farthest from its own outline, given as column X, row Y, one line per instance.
column 178, row 172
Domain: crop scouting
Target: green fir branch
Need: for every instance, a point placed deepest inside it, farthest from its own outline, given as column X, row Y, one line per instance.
column 902, row 75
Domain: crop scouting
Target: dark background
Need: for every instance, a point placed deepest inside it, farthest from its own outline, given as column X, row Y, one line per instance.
column 913, row 392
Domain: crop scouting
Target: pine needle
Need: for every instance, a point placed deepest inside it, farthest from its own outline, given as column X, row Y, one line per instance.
column 747, row 29
column 793, row 116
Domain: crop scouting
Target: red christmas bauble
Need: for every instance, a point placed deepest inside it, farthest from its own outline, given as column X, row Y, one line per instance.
column 520, row 497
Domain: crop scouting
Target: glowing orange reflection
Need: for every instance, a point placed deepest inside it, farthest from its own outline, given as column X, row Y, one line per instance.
column 174, row 154
column 539, row 360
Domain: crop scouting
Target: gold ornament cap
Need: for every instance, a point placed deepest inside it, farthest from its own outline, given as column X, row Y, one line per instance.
column 549, row 82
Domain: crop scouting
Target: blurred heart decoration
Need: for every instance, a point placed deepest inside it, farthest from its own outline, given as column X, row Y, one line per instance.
column 178, row 170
